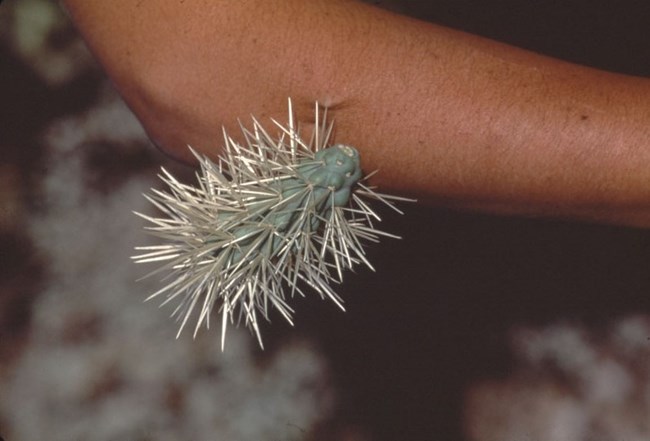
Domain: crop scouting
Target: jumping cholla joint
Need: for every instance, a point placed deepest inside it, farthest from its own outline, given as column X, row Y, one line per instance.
column 271, row 218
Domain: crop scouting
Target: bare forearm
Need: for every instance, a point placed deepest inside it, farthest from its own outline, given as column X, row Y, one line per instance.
column 444, row 115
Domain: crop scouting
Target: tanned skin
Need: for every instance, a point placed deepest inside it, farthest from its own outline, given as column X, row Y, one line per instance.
column 447, row 117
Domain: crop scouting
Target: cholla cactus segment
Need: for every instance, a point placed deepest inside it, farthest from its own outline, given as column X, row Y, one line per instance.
column 275, row 216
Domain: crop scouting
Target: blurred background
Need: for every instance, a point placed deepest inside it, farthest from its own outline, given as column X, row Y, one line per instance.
column 474, row 327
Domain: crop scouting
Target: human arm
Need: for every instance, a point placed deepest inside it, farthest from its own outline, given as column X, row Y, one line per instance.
column 448, row 117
